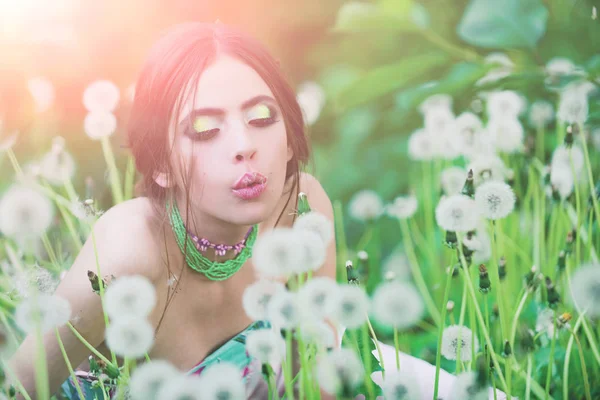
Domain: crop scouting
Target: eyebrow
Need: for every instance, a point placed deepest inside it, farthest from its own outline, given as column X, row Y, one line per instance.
column 219, row 111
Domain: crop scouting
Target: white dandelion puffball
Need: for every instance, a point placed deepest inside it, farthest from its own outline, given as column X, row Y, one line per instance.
column 102, row 95
column 283, row 310
column 318, row 332
column 148, row 378
column 453, row 180
column 182, row 387
column 507, row 134
column 562, row 180
column 457, row 213
column 451, row 342
column 495, row 199
column 99, row 124
column 439, row 121
column 267, row 346
column 366, row 205
column 422, row 145
column 257, row 296
column 339, row 371
column 350, row 307
column 7, row 140
column 277, row 254
column 436, row 101
column 318, row 223
column 500, row 59
column 25, row 212
column 481, row 245
column 573, row 107
column 42, row 91
column 34, row 278
column 132, row 295
column 313, row 249
column 561, row 158
column 403, row 207
column 466, row 387
column 560, row 66
column 488, row 167
column 222, row 381
column 541, row 113
column 316, row 297
column 505, row 104
column 311, row 98
column 400, row 386
column 470, row 137
column 48, row 310
column 397, row 304
column 585, row 288
column 57, row 167
column 545, row 322
column 130, row 336
column 397, row 264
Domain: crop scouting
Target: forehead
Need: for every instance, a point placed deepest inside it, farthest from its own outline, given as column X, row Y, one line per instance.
column 226, row 83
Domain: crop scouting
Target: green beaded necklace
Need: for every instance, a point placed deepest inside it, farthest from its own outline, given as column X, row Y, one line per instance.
column 215, row 271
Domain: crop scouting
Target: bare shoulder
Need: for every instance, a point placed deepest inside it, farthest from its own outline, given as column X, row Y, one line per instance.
column 317, row 196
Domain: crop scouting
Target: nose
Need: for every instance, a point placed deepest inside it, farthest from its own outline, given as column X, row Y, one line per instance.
column 244, row 147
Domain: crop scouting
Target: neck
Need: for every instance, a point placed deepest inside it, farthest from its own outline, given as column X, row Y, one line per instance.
column 214, row 230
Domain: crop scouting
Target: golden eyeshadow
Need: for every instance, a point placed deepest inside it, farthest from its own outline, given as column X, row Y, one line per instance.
column 259, row 111
column 205, row 123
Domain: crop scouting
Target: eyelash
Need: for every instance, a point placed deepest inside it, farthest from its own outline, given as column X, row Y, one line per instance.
column 258, row 123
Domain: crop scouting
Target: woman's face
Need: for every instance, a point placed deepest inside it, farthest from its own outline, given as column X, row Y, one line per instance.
column 233, row 126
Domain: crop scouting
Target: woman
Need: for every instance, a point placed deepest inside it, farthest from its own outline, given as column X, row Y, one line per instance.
column 217, row 132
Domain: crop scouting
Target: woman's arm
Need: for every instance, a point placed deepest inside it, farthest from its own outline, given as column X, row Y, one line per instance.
column 122, row 243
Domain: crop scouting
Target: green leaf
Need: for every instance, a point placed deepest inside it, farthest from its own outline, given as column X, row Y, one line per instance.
column 357, row 16
column 385, row 79
column 510, row 23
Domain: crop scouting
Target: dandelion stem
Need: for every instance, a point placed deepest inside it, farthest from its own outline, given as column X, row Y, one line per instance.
column 528, row 380
column 397, row 346
column 115, row 183
column 87, row 344
column 41, row 366
column 68, row 363
column 129, row 177
column 289, row 388
column 513, row 331
column 342, row 248
column 379, row 353
column 478, row 312
column 14, row 162
column 568, row 356
column 417, row 275
column 14, row 379
column 535, row 387
column 440, row 332
column 551, row 358
column 588, row 168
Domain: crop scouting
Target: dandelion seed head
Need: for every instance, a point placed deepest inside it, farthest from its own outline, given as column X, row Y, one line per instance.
column 402, row 207
column 457, row 213
column 339, row 370
column 468, row 128
column 397, row 304
column 500, row 59
column 506, row 134
column 562, row 180
column 257, row 296
column 437, row 101
column 438, row 121
column 451, row 342
column 56, row 167
column 585, row 285
column 132, row 295
column 99, row 124
column 350, row 307
column 276, row 253
column 545, row 322
column 453, row 179
column 422, row 145
column 396, row 263
column 25, row 212
column 266, row 345
column 7, row 139
column 400, row 386
column 318, row 223
column 541, row 113
column 130, row 336
column 318, row 332
column 50, row 311
column 222, row 381
column 488, row 167
column 283, row 310
column 148, row 378
column 466, row 387
column 366, row 205
column 34, row 278
column 311, row 99
column 313, row 250
column 182, row 387
column 101, row 95
column 505, row 104
column 561, row 158
column 573, row 107
column 560, row 66
column 495, row 199
column 316, row 297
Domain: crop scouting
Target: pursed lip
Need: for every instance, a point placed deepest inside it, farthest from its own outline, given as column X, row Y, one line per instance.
column 249, row 179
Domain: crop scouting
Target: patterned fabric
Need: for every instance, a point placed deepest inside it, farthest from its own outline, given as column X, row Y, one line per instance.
column 232, row 351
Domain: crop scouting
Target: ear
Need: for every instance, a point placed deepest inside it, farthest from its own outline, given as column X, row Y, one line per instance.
column 290, row 153
column 162, row 179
